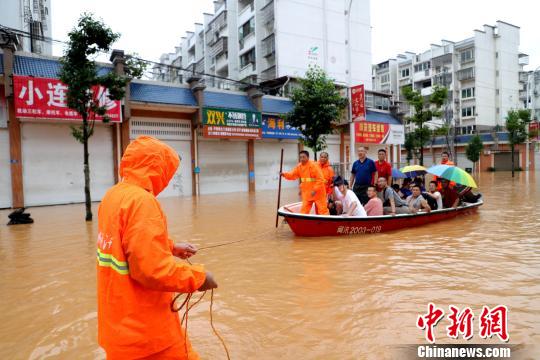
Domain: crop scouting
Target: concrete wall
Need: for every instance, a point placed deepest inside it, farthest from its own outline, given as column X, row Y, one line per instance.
column 317, row 37
column 5, row 173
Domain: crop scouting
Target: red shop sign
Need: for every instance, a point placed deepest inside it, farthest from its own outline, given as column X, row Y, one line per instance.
column 46, row 98
column 370, row 133
column 358, row 103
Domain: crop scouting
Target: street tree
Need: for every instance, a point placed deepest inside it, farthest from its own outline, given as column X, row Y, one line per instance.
column 424, row 110
column 317, row 105
column 79, row 72
column 474, row 149
column 517, row 123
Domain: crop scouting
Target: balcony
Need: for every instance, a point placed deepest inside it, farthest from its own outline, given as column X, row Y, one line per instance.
column 246, row 11
column 267, row 13
column 247, row 70
column 218, row 23
column 443, row 79
column 269, row 46
column 522, row 95
column 248, row 41
column 269, row 74
column 222, row 62
column 199, row 66
column 219, row 47
column 523, row 76
column 465, row 74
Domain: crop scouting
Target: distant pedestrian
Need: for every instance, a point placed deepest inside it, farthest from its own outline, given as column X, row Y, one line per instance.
column 364, row 174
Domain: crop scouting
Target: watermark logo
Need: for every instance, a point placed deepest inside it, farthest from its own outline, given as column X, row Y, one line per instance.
column 492, row 322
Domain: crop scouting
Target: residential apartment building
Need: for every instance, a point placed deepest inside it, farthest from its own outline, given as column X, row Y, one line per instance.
column 257, row 41
column 31, row 21
column 484, row 75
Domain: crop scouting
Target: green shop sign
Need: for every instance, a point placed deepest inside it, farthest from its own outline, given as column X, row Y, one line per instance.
column 228, row 117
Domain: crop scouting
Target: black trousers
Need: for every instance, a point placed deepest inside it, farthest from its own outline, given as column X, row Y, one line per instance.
column 361, row 193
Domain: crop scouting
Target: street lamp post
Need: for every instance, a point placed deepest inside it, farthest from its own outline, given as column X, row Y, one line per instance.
column 349, row 80
column 528, row 107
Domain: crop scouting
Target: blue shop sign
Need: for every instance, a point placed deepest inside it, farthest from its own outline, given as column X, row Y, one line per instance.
column 274, row 127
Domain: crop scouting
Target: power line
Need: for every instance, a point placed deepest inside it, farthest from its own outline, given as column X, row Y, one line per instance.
column 169, row 66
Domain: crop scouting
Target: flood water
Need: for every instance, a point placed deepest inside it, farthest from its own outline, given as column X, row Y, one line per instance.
column 281, row 296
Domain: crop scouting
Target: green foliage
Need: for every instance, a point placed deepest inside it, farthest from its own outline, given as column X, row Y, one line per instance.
column 414, row 141
column 474, row 148
column 517, row 122
column 134, row 67
column 425, row 109
column 317, row 104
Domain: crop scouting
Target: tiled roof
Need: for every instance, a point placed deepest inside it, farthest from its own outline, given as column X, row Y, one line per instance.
column 162, row 94
column 276, row 106
column 33, row 66
column 380, row 117
column 230, row 101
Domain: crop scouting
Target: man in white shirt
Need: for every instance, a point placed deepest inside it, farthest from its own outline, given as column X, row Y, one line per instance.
column 349, row 200
column 435, row 194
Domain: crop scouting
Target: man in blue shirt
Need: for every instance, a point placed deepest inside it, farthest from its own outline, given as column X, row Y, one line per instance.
column 364, row 174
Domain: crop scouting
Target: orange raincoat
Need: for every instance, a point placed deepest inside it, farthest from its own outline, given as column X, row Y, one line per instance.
column 328, row 174
column 136, row 271
column 311, row 180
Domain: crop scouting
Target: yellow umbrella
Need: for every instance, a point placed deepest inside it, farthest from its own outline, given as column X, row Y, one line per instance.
column 413, row 170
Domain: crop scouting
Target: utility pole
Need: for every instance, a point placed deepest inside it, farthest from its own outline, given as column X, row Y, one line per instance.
column 349, row 80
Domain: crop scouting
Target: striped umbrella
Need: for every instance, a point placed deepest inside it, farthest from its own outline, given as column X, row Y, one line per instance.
column 453, row 173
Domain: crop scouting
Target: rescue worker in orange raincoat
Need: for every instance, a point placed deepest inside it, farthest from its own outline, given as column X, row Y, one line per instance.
column 312, row 184
column 328, row 173
column 137, row 274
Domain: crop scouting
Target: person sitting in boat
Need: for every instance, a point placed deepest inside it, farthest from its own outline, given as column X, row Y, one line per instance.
column 349, row 201
column 416, row 201
column 418, row 181
column 450, row 196
column 334, row 199
column 311, row 184
column 465, row 194
column 392, row 203
column 374, row 206
column 433, row 197
column 405, row 188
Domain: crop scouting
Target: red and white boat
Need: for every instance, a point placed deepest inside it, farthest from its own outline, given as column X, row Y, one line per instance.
column 328, row 225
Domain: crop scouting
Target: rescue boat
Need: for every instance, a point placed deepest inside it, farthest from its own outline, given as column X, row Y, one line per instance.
column 328, row 225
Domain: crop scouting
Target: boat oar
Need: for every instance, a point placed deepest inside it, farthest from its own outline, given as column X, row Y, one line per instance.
column 279, row 187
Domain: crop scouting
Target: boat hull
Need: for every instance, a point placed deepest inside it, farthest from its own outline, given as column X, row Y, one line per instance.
column 311, row 225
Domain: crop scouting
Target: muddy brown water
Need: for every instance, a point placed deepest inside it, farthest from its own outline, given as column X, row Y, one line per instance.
column 281, row 296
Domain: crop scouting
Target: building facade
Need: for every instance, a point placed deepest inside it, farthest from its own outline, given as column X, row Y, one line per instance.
column 32, row 20
column 256, row 41
column 484, row 75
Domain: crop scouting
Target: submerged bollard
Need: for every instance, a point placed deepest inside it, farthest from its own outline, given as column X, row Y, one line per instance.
column 18, row 216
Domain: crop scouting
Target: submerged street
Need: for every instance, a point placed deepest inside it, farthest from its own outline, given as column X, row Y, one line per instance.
column 280, row 296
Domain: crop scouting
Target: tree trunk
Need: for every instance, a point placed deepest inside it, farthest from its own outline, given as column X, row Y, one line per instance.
column 87, row 199
column 512, row 148
column 422, row 155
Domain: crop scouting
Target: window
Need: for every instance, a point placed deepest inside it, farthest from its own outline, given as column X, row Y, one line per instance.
column 467, row 93
column 405, row 73
column 468, row 111
column 497, row 91
column 421, row 67
column 385, row 78
column 248, row 58
column 497, row 73
column 496, row 54
column 467, row 55
column 246, row 29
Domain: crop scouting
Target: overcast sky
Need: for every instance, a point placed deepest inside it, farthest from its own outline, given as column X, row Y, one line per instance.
column 151, row 28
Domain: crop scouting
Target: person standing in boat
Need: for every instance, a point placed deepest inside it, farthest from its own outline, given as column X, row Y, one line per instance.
column 363, row 174
column 312, row 184
column 328, row 172
column 445, row 160
column 384, row 169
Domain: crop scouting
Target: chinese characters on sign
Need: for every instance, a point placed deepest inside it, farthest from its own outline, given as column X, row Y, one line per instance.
column 358, row 103
column 47, row 98
column 378, row 133
column 491, row 322
column 277, row 128
column 231, row 124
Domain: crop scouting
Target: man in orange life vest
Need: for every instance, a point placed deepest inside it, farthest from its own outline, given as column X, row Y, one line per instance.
column 137, row 274
column 445, row 160
column 328, row 173
column 312, row 184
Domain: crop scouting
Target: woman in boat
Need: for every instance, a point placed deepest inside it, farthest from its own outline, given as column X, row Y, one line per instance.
column 350, row 202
